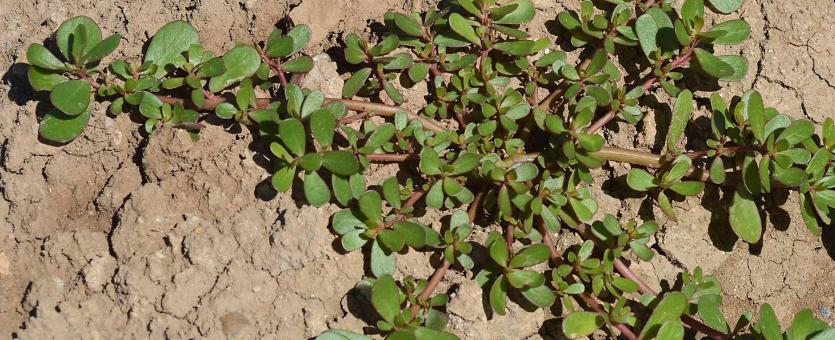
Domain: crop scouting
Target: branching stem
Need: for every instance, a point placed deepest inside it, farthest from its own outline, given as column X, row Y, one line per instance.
column 556, row 259
column 624, row 271
column 647, row 85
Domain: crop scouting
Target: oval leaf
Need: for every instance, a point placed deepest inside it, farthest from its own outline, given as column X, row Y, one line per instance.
column 62, row 128
column 71, row 97
column 745, row 217
column 463, row 28
column 385, row 296
column 169, row 43
column 240, row 62
column 64, row 36
column 316, row 190
column 582, row 323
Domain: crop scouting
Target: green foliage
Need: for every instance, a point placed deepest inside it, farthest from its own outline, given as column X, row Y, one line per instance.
column 168, row 44
column 485, row 151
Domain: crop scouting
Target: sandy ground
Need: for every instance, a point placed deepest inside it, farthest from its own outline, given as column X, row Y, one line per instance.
column 122, row 235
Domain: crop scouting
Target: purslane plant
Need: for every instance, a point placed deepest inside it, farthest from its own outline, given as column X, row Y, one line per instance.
column 506, row 142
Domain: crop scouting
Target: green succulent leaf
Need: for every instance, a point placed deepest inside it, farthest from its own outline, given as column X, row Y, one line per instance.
column 745, row 217
column 102, row 49
column 672, row 330
column 465, row 163
column 43, row 79
column 797, row 132
column 353, row 84
column 582, row 323
column 316, row 189
column 341, row 163
column 385, row 46
column 381, row 135
column 418, row 72
column 408, row 24
column 72, row 97
column 717, row 171
column 323, row 126
column 768, row 326
column 498, row 295
column 381, row 262
column 470, row 6
column 239, row 63
column 67, row 41
column 301, row 64
column 735, row 31
column 725, row 6
column 301, row 36
column 463, row 28
column 805, row 325
column 681, row 116
column 711, row 314
column 282, row 179
column 530, row 256
column 739, row 64
column 670, row 308
column 385, row 296
column 59, row 127
column 541, row 295
column 688, row 188
column 517, row 48
column 38, row 55
column 713, row 65
column 292, row 133
column 413, row 234
column 514, row 13
column 211, row 68
column 756, row 116
column 344, row 221
column 281, row 47
column 639, row 179
column 499, row 252
column 226, row 110
column 169, row 43
column 337, row 334
column 810, row 218
column 655, row 31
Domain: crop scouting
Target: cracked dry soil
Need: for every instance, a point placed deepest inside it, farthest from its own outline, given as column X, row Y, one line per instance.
column 121, row 235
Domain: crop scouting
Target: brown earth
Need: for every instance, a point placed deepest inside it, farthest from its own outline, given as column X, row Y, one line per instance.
column 123, row 235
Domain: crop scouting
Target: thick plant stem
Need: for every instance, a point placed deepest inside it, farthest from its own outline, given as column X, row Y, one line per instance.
column 384, row 110
column 353, row 118
column 439, row 273
column 635, row 157
column 472, row 212
column 587, row 299
column 375, row 109
column 436, row 278
column 390, row 158
column 624, row 271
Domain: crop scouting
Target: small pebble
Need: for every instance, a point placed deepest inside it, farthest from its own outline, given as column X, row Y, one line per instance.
column 826, row 312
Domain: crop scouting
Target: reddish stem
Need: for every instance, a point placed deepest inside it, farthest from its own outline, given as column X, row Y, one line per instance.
column 435, row 70
column 353, row 118
column 723, row 150
column 624, row 271
column 508, row 237
column 647, row 85
column 439, row 273
column 472, row 212
column 436, row 278
column 588, row 299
